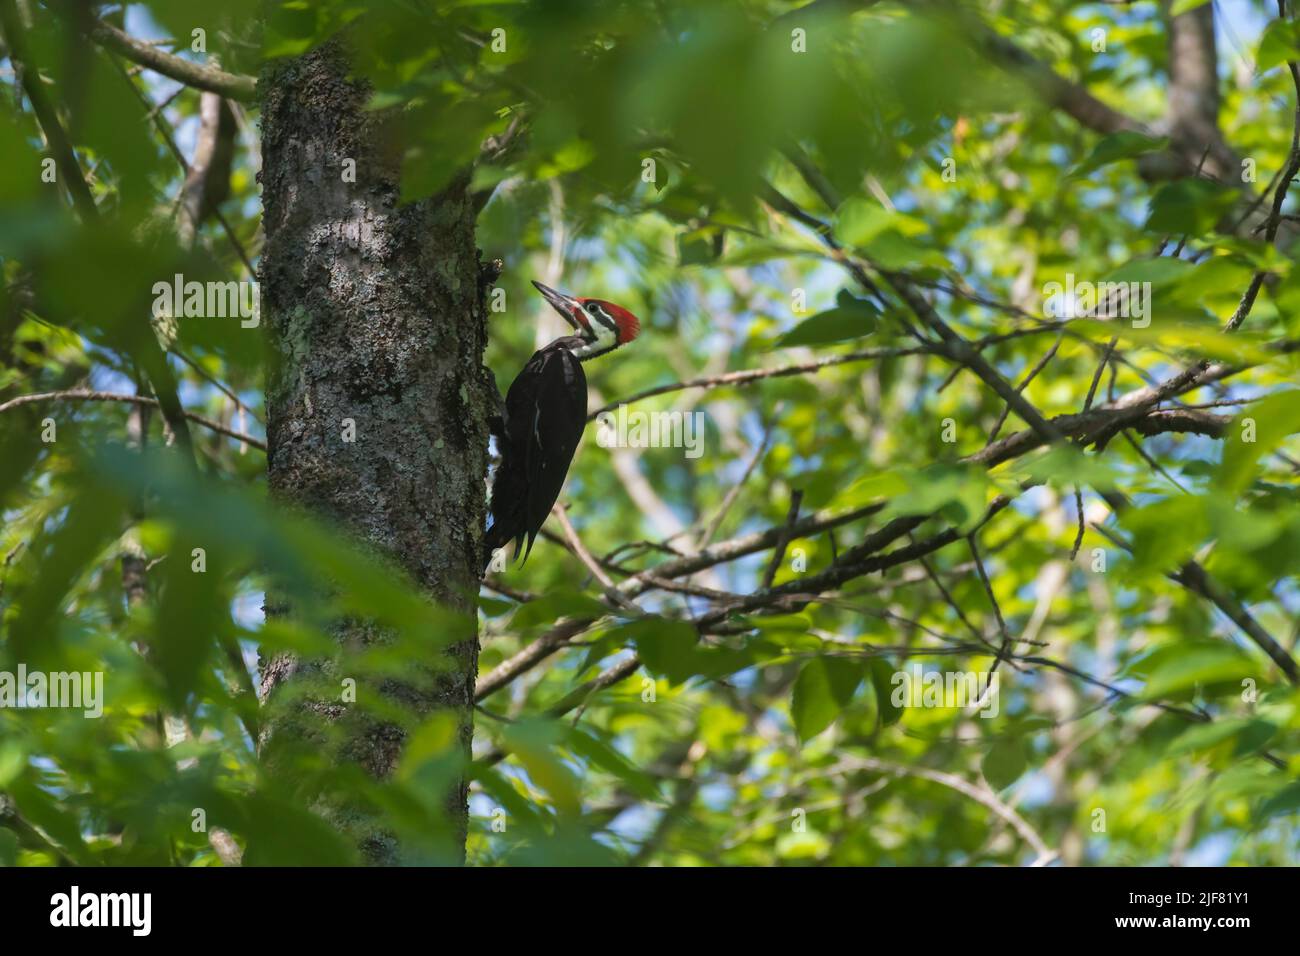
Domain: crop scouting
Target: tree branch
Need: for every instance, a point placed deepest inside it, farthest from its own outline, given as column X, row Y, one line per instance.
column 747, row 376
column 981, row 795
column 78, row 395
column 174, row 67
column 73, row 178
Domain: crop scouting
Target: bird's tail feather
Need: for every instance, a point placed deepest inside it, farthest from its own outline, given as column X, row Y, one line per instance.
column 494, row 539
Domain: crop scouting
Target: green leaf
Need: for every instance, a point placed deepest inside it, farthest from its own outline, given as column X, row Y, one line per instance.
column 821, row 691
column 587, row 745
column 429, row 747
column 1126, row 144
column 1179, row 7
column 299, row 552
column 858, row 221
column 1258, row 430
column 754, row 251
column 533, row 743
column 1190, row 207
column 504, row 792
column 1250, row 735
column 1184, row 668
column 799, row 623
column 92, row 521
column 1004, row 762
column 561, row 602
column 699, row 247
column 852, row 318
column 894, row 251
column 194, row 610
column 808, row 845
column 51, row 815
column 884, row 237
column 1165, row 533
column 1193, row 335
column 882, row 682
column 1064, row 466
column 668, row 648
column 1285, row 801
column 494, row 607
column 958, row 492
column 282, row 833
column 1158, row 270
column 873, row 487
column 13, row 761
column 1216, row 277
column 1279, row 43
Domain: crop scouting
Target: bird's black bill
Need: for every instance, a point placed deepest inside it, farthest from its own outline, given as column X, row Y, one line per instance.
column 566, row 305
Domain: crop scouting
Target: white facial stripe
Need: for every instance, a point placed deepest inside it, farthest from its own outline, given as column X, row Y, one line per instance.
column 601, row 316
column 603, row 339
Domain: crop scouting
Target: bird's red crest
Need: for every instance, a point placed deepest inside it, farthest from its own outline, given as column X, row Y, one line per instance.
column 629, row 327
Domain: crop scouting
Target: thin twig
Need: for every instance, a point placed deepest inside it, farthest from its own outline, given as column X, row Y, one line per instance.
column 78, row 395
column 997, row 610
column 1042, row 853
column 778, row 553
column 734, row 491
column 1078, row 509
column 1024, row 383
column 580, row 549
column 174, row 67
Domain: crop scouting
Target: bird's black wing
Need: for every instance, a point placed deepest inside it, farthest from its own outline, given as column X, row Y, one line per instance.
column 558, row 416
column 546, row 410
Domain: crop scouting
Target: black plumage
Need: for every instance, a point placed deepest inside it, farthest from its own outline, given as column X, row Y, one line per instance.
column 545, row 413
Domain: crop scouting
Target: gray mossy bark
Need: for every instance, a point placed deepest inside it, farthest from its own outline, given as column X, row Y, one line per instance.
column 374, row 313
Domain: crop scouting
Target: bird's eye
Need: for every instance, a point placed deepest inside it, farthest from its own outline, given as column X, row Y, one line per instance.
column 593, row 308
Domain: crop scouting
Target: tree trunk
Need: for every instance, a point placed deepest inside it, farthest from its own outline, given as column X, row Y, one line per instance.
column 374, row 315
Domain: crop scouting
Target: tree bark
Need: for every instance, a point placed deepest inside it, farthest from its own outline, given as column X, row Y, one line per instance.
column 374, row 314
column 1193, row 111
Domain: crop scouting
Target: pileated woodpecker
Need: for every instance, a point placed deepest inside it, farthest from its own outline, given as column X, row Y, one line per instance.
column 545, row 413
